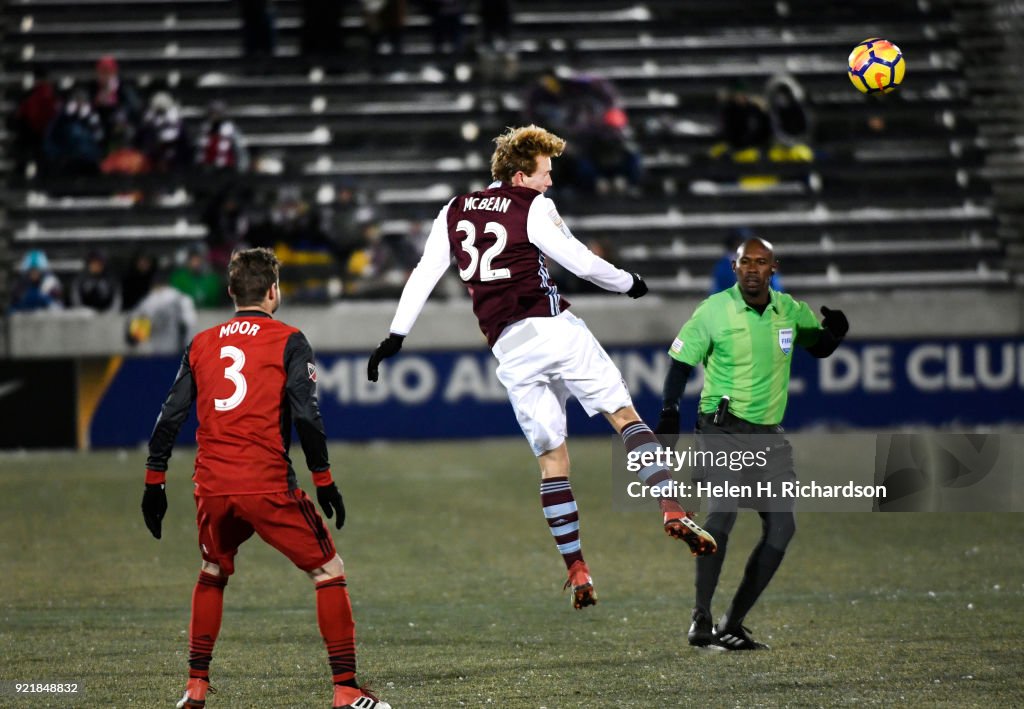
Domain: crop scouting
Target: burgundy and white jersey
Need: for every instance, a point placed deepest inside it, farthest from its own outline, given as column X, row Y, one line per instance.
column 499, row 238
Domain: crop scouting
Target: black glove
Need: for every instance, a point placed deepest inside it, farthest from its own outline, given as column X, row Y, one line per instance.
column 668, row 421
column 154, row 505
column 835, row 322
column 639, row 288
column 386, row 348
column 330, row 501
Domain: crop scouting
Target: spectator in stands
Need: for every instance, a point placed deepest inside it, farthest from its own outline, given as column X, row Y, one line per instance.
column 95, row 287
column 722, row 275
column 31, row 120
column 163, row 322
column 137, row 280
column 344, row 221
column 117, row 104
column 74, row 143
column 495, row 24
column 36, row 288
column 303, row 248
column 447, row 26
column 790, row 120
column 496, row 52
column 744, row 125
column 258, row 32
column 221, row 145
column 228, row 217
column 384, row 20
column 586, row 110
column 382, row 266
column 196, row 279
column 163, row 137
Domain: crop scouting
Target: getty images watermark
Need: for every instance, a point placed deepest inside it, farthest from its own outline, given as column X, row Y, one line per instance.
column 935, row 471
column 747, row 462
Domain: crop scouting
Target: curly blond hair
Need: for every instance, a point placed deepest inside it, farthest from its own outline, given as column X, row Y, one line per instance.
column 519, row 148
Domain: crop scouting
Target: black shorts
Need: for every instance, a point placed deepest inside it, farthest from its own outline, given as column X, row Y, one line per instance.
column 745, row 463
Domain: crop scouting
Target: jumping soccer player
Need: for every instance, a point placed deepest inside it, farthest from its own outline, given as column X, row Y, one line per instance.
column 250, row 378
column 499, row 238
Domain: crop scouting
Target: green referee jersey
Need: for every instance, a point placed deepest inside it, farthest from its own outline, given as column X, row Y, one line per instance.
column 746, row 355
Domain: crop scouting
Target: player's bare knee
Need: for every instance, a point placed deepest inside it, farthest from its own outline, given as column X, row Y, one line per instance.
column 619, row 418
column 332, row 569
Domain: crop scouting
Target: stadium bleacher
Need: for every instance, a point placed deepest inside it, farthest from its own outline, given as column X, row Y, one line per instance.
column 912, row 204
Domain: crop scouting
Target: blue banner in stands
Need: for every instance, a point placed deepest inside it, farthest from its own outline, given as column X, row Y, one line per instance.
column 454, row 394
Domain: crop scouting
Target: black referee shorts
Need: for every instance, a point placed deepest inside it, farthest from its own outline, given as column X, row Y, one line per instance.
column 749, row 461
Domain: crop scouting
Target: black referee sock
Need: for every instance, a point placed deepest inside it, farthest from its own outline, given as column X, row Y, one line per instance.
column 708, row 570
column 764, row 561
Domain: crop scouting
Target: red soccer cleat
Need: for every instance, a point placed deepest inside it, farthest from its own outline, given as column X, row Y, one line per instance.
column 680, row 525
column 195, row 694
column 356, row 698
column 583, row 593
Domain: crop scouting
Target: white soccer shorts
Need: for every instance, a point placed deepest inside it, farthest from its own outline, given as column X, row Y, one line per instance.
column 544, row 361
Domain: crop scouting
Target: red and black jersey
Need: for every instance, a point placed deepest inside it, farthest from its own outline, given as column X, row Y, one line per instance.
column 506, row 274
column 250, row 378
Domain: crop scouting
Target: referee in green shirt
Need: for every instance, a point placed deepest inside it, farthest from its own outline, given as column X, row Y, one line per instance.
column 744, row 336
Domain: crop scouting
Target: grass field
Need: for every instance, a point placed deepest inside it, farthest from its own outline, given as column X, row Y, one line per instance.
column 458, row 595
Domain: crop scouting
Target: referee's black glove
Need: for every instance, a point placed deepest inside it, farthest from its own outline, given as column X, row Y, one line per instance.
column 387, row 348
column 331, row 503
column 668, row 421
column 639, row 288
column 154, row 506
column 835, row 322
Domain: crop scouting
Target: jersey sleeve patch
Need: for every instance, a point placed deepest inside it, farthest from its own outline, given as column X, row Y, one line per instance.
column 677, row 346
column 557, row 220
column 311, row 370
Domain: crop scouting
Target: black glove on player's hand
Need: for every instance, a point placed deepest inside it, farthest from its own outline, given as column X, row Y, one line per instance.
column 387, row 348
column 154, row 506
column 331, row 503
column 835, row 322
column 639, row 288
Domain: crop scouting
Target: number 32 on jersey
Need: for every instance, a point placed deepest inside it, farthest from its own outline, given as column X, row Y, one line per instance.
column 484, row 261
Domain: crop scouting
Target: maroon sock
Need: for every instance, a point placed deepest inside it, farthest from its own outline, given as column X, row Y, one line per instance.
column 563, row 519
column 637, row 436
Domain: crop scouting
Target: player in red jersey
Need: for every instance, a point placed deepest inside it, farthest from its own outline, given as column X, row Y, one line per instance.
column 251, row 378
column 500, row 238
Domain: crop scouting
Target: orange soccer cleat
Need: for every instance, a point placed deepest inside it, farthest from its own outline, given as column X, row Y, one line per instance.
column 583, row 593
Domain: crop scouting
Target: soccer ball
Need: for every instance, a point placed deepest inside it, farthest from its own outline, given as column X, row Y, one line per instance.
column 876, row 66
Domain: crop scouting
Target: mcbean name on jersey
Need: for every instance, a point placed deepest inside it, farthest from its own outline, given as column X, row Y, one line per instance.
column 493, row 204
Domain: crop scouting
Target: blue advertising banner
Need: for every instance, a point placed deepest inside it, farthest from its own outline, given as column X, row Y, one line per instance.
column 454, row 394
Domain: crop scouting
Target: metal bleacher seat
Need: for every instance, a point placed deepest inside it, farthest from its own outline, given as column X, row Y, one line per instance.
column 904, row 206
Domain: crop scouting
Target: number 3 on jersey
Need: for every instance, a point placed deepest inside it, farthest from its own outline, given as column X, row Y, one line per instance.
column 468, row 245
column 233, row 373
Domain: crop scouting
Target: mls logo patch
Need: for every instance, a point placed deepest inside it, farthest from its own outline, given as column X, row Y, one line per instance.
column 311, row 369
column 556, row 218
column 786, row 340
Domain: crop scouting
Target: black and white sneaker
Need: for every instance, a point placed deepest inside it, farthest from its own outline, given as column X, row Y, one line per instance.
column 700, row 634
column 736, row 638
